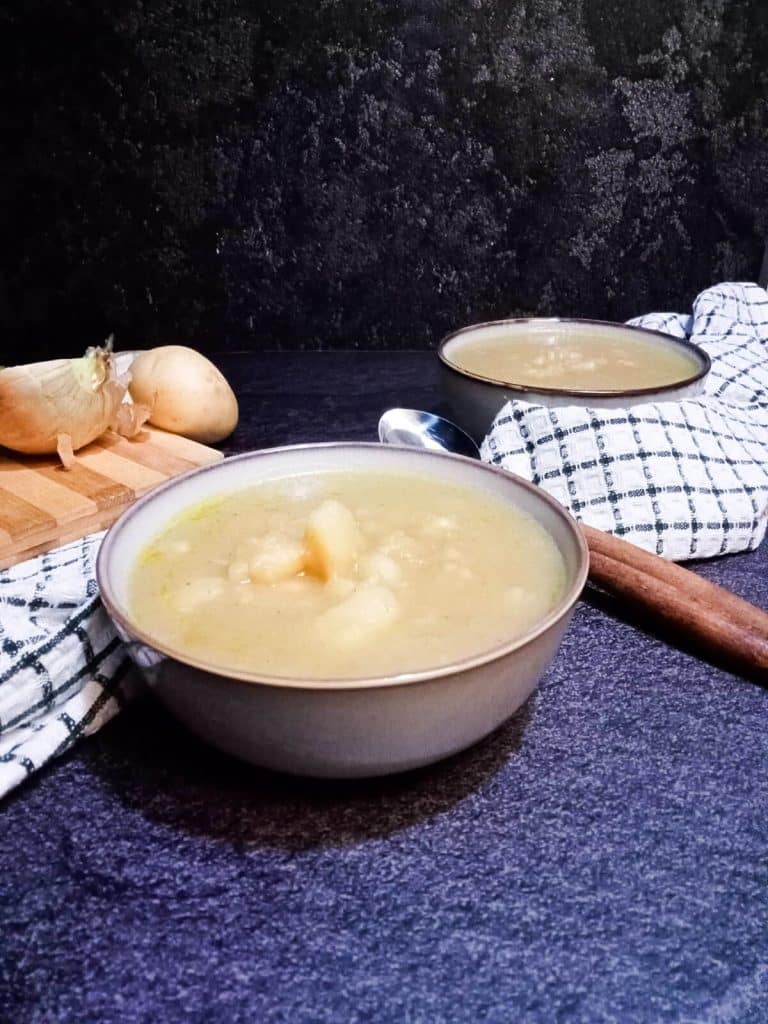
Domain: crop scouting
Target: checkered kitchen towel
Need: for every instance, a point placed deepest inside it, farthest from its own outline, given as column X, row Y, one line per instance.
column 685, row 479
column 63, row 671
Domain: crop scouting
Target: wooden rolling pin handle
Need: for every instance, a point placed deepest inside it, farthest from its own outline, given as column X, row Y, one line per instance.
column 682, row 611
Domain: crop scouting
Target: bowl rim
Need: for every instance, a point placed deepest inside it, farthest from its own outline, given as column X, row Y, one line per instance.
column 122, row 618
column 661, row 389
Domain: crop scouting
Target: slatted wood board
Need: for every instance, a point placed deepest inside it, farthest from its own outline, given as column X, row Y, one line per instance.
column 43, row 505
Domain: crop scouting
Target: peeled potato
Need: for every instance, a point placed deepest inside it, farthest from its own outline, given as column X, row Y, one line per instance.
column 332, row 540
column 357, row 619
column 276, row 558
column 184, row 392
column 380, row 568
column 198, row 592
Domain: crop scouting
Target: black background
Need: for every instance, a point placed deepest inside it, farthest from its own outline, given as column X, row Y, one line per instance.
column 350, row 173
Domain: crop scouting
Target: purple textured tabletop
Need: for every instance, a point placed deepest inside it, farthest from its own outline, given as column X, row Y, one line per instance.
column 601, row 858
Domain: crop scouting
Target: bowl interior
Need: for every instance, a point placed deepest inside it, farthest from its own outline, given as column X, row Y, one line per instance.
column 148, row 516
column 554, row 331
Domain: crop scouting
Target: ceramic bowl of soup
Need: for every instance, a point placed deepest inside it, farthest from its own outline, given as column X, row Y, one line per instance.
column 343, row 610
column 557, row 362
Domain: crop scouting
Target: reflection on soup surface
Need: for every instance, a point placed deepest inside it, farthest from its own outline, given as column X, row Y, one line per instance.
column 582, row 359
column 345, row 575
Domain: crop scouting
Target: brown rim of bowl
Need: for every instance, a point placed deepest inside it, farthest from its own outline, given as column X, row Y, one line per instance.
column 699, row 353
column 121, row 617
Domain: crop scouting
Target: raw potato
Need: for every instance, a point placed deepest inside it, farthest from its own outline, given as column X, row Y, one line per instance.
column 184, row 392
column 368, row 611
column 332, row 540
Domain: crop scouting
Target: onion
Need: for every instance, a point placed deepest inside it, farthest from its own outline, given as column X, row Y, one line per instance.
column 184, row 392
column 61, row 404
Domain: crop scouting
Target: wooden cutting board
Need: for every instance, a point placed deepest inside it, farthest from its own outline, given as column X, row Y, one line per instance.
column 43, row 505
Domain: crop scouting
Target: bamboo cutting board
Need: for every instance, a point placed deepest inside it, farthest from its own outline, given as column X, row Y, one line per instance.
column 43, row 505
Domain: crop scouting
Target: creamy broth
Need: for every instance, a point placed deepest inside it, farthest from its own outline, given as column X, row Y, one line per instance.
column 591, row 359
column 345, row 575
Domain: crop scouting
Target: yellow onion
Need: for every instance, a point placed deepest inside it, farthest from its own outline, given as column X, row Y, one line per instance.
column 61, row 404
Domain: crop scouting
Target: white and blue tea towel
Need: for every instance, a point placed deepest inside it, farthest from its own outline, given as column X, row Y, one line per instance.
column 63, row 670
column 685, row 479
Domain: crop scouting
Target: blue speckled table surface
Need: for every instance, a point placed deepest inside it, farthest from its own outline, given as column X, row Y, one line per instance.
column 601, row 858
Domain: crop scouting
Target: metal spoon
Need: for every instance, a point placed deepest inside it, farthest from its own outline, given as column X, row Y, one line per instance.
column 417, row 429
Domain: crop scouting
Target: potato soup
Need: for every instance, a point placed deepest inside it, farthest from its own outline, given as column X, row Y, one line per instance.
column 581, row 359
column 343, row 575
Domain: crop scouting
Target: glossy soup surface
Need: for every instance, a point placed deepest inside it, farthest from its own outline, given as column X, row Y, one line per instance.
column 585, row 360
column 345, row 575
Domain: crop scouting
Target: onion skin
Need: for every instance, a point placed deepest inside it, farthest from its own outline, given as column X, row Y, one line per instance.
column 43, row 402
column 185, row 393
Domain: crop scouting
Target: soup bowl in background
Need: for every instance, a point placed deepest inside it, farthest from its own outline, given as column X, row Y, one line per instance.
column 339, row 727
column 473, row 400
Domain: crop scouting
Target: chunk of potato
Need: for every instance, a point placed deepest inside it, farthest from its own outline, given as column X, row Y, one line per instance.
column 378, row 567
column 198, row 592
column 275, row 557
column 359, row 618
column 332, row 540
column 403, row 546
column 439, row 526
column 339, row 586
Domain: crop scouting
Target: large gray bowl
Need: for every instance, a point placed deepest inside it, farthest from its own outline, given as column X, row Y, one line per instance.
column 339, row 727
column 474, row 401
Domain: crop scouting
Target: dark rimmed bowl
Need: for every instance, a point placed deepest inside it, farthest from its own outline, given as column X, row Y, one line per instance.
column 473, row 401
column 339, row 727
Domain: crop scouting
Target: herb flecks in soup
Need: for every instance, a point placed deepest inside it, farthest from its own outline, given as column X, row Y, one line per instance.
column 577, row 359
column 345, row 575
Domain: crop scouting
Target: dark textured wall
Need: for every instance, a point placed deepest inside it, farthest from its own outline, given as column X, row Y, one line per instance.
column 362, row 173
